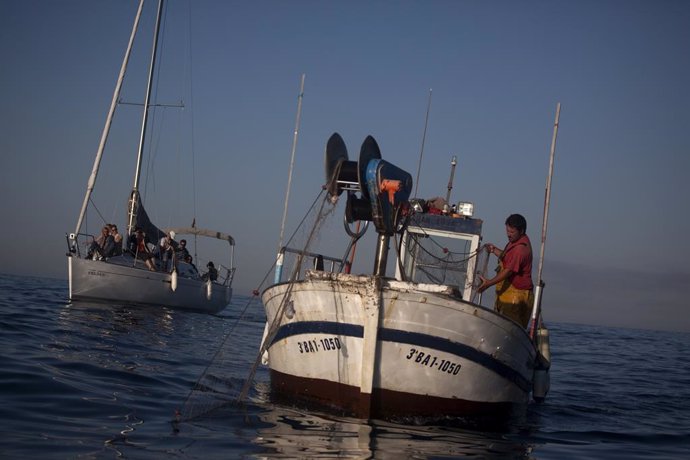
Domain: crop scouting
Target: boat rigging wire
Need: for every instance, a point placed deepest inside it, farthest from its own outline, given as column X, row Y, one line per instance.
column 270, row 269
column 154, row 141
column 190, row 410
column 469, row 255
column 188, row 406
column 192, row 126
column 109, row 119
column 97, row 210
column 421, row 152
column 274, row 325
column 144, row 122
column 431, row 238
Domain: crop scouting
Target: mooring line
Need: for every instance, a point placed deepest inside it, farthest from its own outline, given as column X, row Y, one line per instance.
column 275, row 323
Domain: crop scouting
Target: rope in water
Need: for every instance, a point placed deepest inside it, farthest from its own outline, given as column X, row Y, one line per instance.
column 193, row 407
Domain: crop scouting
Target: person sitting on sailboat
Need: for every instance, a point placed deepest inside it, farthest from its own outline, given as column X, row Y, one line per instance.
column 113, row 245
column 212, row 273
column 97, row 248
column 181, row 251
column 514, row 287
column 166, row 249
column 139, row 247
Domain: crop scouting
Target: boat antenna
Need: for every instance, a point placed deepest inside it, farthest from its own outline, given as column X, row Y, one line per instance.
column 108, row 121
column 191, row 119
column 536, row 310
column 135, row 188
column 279, row 260
column 453, row 163
column 421, row 152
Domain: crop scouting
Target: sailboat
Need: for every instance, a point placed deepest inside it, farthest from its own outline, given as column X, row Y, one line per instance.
column 415, row 344
column 135, row 273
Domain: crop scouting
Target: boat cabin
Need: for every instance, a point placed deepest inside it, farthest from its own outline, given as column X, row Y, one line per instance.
column 441, row 249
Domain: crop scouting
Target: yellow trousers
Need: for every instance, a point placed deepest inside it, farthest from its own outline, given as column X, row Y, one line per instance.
column 514, row 303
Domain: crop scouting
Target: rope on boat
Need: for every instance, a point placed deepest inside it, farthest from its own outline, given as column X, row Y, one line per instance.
column 194, row 406
column 468, row 254
column 216, row 385
column 97, row 210
column 275, row 323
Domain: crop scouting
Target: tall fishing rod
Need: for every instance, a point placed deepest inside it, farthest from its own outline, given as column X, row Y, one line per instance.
column 421, row 152
column 108, row 121
column 280, row 257
column 536, row 309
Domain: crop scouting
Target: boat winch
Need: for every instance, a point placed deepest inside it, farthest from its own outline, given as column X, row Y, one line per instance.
column 384, row 188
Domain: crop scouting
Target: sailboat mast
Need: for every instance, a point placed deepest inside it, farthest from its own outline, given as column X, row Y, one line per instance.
column 135, row 188
column 108, row 121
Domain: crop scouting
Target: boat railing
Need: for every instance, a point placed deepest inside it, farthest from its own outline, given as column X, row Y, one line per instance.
column 229, row 275
column 78, row 241
column 309, row 260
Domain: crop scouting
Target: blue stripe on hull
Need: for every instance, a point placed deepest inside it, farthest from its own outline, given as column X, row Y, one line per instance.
column 411, row 338
column 318, row 327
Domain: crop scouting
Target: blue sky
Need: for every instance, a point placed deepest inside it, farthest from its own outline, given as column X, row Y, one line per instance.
column 617, row 251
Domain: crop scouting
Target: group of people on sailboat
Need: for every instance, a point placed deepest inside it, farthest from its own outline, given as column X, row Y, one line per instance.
column 107, row 244
column 139, row 247
column 167, row 252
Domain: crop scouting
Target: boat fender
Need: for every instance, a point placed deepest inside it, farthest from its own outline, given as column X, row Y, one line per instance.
column 209, row 289
column 541, row 384
column 173, row 280
column 544, row 345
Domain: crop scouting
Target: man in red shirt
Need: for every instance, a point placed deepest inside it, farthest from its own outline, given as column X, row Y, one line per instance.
column 514, row 288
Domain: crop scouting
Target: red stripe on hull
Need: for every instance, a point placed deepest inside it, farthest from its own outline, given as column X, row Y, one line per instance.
column 381, row 404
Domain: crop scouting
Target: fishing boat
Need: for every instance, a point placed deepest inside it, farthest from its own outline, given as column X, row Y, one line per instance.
column 133, row 275
column 418, row 343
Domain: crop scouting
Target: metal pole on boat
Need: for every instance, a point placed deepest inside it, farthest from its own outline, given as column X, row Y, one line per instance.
column 421, row 152
column 381, row 255
column 144, row 121
column 547, row 199
column 453, row 163
column 108, row 121
column 280, row 257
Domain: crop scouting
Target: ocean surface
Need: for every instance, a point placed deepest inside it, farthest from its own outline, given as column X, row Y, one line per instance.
column 106, row 381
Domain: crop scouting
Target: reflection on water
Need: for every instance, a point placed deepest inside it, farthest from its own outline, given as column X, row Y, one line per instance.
column 280, row 431
column 295, row 434
column 114, row 319
column 291, row 433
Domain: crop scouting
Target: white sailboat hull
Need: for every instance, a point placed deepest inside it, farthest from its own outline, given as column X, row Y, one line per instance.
column 380, row 348
column 118, row 283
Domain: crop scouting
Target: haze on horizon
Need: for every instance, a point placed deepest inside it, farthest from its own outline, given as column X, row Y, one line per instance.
column 616, row 251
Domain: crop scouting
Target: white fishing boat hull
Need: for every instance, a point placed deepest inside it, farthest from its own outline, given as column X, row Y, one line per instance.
column 374, row 347
column 113, row 282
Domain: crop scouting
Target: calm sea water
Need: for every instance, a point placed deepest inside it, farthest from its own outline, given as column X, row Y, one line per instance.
column 104, row 381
